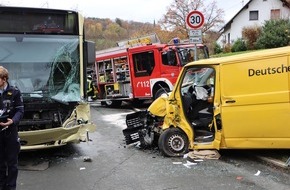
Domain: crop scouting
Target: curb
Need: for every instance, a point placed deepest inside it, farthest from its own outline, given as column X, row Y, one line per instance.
column 274, row 161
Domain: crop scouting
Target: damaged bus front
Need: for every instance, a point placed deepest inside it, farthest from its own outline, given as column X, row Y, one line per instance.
column 49, row 68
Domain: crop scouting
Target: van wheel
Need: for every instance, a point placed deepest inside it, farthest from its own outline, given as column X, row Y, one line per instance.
column 173, row 142
column 160, row 91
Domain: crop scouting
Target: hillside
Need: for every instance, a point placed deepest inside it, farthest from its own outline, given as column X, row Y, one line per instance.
column 106, row 32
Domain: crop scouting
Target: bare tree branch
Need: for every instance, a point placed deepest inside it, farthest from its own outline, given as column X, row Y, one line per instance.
column 175, row 17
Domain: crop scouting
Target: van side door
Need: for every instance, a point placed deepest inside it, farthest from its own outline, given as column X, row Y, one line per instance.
column 255, row 103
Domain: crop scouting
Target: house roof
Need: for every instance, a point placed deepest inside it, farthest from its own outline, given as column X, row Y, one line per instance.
column 285, row 3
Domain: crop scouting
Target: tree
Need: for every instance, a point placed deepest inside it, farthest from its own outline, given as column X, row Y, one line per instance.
column 175, row 18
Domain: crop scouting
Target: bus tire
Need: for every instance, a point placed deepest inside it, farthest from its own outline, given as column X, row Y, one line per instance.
column 173, row 143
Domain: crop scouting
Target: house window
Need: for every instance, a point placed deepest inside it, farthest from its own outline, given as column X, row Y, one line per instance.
column 229, row 38
column 254, row 15
column 275, row 14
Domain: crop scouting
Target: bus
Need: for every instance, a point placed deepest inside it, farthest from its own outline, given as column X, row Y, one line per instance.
column 47, row 57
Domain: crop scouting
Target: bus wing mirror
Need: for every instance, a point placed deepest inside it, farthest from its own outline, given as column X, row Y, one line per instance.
column 90, row 53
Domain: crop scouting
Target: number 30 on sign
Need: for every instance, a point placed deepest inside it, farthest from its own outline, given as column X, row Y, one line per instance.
column 195, row 19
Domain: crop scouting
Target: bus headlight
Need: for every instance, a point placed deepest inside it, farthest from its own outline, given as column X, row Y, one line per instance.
column 82, row 121
column 35, row 116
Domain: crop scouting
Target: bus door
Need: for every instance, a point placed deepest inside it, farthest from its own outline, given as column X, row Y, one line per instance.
column 143, row 64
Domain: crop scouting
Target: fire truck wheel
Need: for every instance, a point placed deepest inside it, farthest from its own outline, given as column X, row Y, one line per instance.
column 137, row 102
column 173, row 142
column 159, row 92
column 113, row 103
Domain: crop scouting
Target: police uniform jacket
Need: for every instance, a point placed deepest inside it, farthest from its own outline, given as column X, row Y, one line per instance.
column 11, row 103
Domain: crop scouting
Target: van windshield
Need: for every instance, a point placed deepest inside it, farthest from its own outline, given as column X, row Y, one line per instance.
column 198, row 81
column 42, row 65
column 197, row 76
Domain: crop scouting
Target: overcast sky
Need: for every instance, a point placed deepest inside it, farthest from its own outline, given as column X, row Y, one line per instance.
column 136, row 10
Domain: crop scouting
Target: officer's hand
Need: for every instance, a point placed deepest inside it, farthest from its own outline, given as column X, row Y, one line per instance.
column 9, row 122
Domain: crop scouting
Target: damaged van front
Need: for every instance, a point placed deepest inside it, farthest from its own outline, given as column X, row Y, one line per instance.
column 176, row 121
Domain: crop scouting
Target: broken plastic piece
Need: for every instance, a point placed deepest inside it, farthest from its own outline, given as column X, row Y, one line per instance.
column 87, row 159
column 188, row 164
column 258, row 173
column 177, row 162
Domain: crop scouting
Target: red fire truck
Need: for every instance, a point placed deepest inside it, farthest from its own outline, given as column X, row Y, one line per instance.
column 142, row 72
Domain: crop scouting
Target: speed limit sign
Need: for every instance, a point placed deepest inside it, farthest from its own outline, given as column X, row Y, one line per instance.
column 195, row 19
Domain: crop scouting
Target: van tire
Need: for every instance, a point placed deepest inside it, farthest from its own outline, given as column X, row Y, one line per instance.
column 173, row 143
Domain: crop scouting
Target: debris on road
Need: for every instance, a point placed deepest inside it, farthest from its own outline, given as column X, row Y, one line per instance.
column 203, row 154
column 177, row 163
column 258, row 173
column 188, row 164
column 87, row 159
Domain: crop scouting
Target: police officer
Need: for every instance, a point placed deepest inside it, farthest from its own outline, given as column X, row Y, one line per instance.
column 11, row 111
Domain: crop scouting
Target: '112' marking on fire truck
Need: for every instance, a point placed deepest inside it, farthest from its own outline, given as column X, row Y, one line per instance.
column 143, row 84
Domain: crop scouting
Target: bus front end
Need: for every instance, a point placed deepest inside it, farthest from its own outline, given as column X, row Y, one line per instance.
column 43, row 50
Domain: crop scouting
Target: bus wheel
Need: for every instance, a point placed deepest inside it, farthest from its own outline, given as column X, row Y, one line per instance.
column 160, row 91
column 173, row 142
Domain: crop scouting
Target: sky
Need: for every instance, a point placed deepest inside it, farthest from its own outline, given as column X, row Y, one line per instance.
column 135, row 10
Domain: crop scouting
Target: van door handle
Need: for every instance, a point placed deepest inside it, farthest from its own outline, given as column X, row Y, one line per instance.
column 231, row 101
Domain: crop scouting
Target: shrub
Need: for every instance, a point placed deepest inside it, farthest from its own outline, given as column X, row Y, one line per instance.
column 227, row 48
column 239, row 45
column 251, row 34
column 274, row 34
column 217, row 48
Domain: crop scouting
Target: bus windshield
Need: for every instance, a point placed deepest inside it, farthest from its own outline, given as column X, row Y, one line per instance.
column 43, row 65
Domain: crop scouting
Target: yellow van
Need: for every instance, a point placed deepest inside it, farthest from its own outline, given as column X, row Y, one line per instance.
column 236, row 102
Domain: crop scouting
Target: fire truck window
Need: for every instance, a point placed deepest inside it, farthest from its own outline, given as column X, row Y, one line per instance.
column 144, row 63
column 169, row 58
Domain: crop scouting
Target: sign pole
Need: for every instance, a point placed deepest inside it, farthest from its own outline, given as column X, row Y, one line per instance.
column 195, row 21
column 195, row 52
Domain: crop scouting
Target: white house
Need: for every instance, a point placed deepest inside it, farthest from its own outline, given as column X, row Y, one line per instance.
column 254, row 13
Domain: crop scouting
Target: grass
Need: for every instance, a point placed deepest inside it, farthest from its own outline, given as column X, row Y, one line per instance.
column 231, row 53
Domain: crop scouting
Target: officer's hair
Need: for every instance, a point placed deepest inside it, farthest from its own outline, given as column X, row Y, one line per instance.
column 4, row 73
